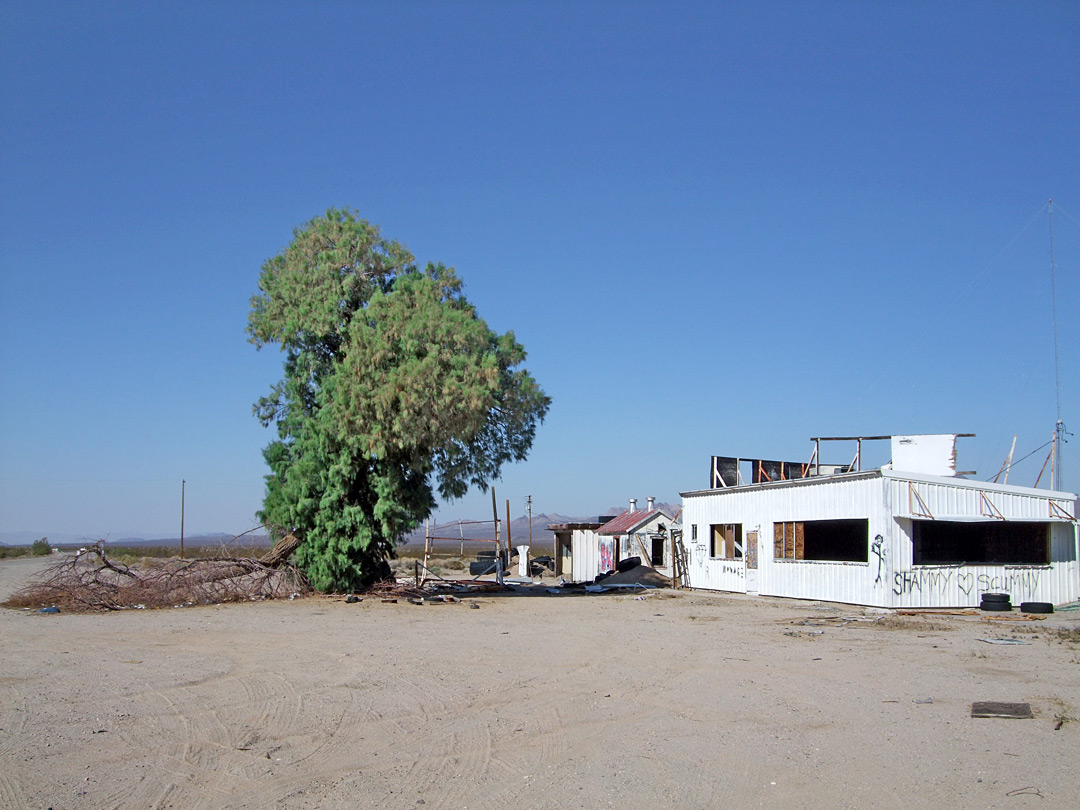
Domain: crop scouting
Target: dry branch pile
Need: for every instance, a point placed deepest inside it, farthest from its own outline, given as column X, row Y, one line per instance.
column 90, row 581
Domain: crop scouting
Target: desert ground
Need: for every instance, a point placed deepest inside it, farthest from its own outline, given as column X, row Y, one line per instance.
column 681, row 699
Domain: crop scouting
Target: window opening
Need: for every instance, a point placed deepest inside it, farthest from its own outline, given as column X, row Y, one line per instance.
column 822, row 540
column 726, row 541
column 657, row 557
column 942, row 542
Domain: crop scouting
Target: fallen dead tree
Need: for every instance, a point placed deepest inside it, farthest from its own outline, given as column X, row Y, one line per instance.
column 90, row 581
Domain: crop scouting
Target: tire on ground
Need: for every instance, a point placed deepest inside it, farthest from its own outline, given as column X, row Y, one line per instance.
column 1037, row 607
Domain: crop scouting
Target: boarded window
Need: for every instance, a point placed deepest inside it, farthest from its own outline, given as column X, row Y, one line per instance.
column 726, row 541
column 788, row 541
column 822, row 540
column 939, row 542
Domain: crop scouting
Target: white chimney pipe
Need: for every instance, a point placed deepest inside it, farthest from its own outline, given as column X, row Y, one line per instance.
column 633, row 504
column 651, row 503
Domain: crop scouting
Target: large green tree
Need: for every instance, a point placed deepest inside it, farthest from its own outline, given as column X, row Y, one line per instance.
column 393, row 389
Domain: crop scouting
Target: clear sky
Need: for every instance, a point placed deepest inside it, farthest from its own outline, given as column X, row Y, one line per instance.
column 718, row 228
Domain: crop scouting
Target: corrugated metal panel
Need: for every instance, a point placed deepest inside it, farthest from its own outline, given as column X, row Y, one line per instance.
column 919, row 498
column 629, row 521
column 586, row 555
column 758, row 508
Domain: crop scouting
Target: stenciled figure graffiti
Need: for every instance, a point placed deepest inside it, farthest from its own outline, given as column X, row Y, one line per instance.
column 876, row 548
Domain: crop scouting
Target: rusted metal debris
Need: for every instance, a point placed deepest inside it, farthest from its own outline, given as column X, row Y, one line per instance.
column 991, row 708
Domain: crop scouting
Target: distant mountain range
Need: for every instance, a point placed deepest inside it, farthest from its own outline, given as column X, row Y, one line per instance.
column 450, row 531
column 194, row 541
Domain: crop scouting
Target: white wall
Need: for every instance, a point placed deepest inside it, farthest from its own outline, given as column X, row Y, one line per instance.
column 888, row 578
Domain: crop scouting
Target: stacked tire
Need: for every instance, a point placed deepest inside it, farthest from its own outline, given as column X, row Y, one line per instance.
column 999, row 602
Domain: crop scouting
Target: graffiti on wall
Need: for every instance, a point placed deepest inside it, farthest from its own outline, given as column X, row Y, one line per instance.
column 607, row 554
column 878, row 550
column 751, row 549
column 1020, row 584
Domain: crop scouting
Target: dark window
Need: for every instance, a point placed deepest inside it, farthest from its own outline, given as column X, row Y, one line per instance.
column 725, row 541
column 1000, row 542
column 823, row 540
column 657, row 550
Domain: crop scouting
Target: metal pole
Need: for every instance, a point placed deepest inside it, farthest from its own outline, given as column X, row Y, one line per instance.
column 183, row 484
column 528, row 501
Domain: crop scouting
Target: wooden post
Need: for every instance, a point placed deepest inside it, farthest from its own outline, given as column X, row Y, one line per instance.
column 495, row 518
column 509, row 546
column 674, row 562
column 183, row 484
column 427, row 551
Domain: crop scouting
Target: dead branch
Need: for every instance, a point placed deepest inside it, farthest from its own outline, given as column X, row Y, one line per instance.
column 90, row 581
column 281, row 551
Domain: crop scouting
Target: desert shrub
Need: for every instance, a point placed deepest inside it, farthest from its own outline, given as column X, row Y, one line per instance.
column 41, row 548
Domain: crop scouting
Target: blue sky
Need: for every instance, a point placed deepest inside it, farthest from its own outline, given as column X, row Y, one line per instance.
column 718, row 228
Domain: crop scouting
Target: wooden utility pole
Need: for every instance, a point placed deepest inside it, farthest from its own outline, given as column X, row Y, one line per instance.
column 183, row 484
column 495, row 517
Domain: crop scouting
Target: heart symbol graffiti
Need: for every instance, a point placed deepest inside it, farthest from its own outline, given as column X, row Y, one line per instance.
column 966, row 582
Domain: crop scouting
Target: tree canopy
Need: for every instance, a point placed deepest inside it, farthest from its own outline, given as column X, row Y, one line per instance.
column 394, row 388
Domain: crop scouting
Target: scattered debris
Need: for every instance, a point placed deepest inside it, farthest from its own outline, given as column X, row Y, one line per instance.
column 604, row 586
column 1023, row 617
column 352, row 599
column 990, row 708
column 1026, row 791
column 925, row 701
column 641, row 575
column 1003, row 641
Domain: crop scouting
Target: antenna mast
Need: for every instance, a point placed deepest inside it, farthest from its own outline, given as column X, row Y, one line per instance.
column 1059, row 426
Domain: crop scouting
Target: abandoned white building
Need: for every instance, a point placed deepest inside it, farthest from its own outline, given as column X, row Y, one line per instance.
column 585, row 550
column 911, row 534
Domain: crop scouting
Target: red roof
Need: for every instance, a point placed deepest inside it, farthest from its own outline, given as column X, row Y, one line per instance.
column 628, row 521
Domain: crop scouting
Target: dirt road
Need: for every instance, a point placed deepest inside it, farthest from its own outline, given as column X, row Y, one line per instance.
column 686, row 700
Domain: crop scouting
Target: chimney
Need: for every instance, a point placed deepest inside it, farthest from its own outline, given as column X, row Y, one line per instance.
column 633, row 504
column 651, row 503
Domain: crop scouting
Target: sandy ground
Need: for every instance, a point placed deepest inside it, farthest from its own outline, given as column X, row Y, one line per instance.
column 686, row 700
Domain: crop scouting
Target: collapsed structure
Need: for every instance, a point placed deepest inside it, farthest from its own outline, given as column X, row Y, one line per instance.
column 913, row 533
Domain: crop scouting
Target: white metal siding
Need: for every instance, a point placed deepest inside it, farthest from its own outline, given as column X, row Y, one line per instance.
column 758, row 508
column 889, row 578
column 585, row 554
